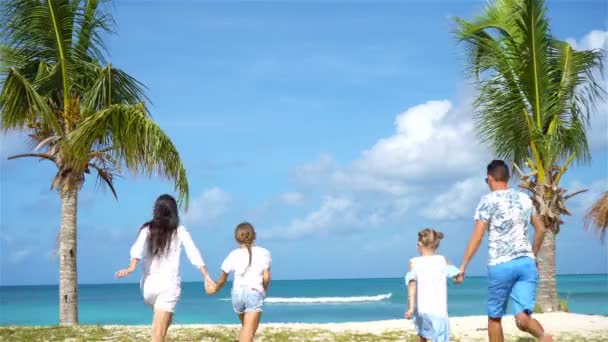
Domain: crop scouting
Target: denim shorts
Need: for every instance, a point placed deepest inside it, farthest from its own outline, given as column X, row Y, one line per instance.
column 515, row 279
column 246, row 299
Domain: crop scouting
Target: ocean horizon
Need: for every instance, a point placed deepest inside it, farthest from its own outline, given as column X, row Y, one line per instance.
column 301, row 301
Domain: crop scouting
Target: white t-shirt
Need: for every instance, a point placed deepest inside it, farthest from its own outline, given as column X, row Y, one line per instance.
column 430, row 273
column 237, row 262
column 166, row 264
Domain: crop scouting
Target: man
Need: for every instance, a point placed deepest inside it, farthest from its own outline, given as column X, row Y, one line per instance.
column 512, row 272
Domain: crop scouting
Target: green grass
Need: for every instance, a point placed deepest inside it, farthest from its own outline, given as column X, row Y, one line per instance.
column 217, row 334
column 84, row 333
column 562, row 305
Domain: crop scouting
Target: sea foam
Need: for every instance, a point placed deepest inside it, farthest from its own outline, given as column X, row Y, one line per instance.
column 325, row 300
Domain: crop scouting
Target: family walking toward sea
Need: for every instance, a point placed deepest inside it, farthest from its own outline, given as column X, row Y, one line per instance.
column 506, row 215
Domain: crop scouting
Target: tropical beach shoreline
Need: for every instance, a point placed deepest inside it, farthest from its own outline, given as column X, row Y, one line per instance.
column 564, row 326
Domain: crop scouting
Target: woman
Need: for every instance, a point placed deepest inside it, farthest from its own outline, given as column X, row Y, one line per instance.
column 159, row 245
column 251, row 267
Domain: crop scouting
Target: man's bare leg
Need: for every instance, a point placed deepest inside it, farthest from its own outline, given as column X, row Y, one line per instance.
column 495, row 330
column 526, row 323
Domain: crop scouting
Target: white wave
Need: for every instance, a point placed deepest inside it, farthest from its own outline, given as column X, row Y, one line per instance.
column 324, row 300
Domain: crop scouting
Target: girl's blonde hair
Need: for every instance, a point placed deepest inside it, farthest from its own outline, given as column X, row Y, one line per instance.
column 244, row 234
column 430, row 238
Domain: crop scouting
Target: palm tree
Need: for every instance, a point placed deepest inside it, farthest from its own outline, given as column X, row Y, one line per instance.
column 81, row 113
column 597, row 216
column 535, row 97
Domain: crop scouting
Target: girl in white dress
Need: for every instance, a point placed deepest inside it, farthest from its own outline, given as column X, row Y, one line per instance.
column 427, row 289
column 159, row 245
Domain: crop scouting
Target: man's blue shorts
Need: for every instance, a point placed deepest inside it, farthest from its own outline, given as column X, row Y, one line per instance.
column 516, row 279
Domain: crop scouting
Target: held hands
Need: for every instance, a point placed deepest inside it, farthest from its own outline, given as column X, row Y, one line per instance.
column 460, row 277
column 210, row 286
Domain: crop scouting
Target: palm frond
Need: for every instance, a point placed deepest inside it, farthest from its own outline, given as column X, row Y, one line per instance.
column 134, row 139
column 109, row 85
column 91, row 23
column 47, row 141
column 580, row 81
column 20, row 105
column 501, row 119
column 597, row 216
column 534, row 26
column 568, row 138
column 41, row 31
column 105, row 176
column 27, row 29
column 41, row 156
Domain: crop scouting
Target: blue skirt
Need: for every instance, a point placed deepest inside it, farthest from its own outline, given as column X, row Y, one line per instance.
column 436, row 329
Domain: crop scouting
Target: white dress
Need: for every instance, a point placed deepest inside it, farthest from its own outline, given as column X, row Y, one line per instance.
column 160, row 283
column 431, row 311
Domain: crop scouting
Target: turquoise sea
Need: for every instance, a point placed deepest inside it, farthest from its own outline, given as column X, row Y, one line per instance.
column 288, row 301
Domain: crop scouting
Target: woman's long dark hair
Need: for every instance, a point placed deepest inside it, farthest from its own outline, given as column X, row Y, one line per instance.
column 163, row 225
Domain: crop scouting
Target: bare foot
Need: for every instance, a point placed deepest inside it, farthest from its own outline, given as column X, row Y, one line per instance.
column 546, row 338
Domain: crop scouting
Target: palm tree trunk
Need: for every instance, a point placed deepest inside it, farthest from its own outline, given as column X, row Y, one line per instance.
column 547, row 298
column 68, row 280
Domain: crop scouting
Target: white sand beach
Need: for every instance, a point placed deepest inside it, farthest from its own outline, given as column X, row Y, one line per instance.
column 563, row 326
column 569, row 326
column 474, row 326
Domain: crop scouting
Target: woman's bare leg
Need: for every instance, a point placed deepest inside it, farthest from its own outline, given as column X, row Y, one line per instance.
column 251, row 321
column 160, row 325
column 168, row 325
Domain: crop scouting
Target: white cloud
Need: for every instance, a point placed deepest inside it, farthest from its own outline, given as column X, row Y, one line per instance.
column 292, row 198
column 458, row 202
column 425, row 145
column 433, row 146
column 598, row 130
column 579, row 204
column 596, row 39
column 335, row 214
column 208, row 208
column 431, row 141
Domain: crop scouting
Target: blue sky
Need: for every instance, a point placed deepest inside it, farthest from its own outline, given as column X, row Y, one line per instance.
column 339, row 129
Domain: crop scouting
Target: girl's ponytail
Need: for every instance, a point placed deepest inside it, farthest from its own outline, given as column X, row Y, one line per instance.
column 245, row 235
